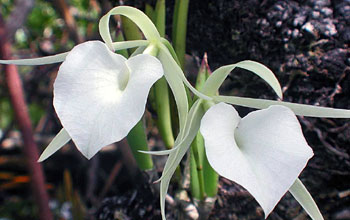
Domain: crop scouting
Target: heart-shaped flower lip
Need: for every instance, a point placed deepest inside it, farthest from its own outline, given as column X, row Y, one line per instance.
column 264, row 152
column 99, row 96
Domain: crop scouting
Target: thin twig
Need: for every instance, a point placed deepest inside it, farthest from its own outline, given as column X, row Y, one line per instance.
column 21, row 114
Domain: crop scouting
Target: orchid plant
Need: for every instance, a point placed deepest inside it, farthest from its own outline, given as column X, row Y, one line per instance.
column 99, row 96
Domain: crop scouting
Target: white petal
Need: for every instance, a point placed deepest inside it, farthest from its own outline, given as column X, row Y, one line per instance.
column 99, row 96
column 265, row 153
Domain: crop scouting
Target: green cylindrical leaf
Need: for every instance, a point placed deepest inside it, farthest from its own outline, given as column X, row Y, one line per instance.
column 138, row 141
column 160, row 17
column 197, row 179
column 180, row 29
column 149, row 11
column 194, row 180
column 210, row 176
column 161, row 93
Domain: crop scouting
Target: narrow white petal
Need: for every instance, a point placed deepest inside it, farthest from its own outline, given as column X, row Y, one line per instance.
column 264, row 153
column 298, row 109
column 99, row 96
column 300, row 193
column 37, row 61
column 57, row 143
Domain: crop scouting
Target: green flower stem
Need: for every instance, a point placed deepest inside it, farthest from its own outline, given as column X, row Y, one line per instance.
column 180, row 29
column 138, row 141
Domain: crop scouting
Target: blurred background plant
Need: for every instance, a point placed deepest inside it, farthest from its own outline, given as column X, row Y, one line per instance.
column 304, row 43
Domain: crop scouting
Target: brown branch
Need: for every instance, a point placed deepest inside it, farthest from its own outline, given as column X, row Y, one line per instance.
column 63, row 8
column 21, row 114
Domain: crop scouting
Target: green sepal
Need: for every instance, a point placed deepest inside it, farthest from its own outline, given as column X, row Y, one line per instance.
column 138, row 17
column 217, row 78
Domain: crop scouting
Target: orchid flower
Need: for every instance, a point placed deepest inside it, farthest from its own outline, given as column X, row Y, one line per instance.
column 99, row 96
column 264, row 152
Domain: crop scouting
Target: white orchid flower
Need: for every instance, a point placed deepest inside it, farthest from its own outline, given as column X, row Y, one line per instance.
column 99, row 96
column 264, row 152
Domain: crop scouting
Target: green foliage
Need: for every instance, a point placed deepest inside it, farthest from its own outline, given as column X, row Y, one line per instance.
column 16, row 208
column 6, row 114
column 36, row 111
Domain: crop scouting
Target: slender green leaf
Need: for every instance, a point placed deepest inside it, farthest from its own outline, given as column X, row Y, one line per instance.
column 217, row 78
column 38, row 61
column 298, row 109
column 57, row 143
column 137, row 16
column 300, row 193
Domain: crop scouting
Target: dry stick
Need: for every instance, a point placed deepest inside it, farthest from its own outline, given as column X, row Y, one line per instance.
column 18, row 16
column 21, row 114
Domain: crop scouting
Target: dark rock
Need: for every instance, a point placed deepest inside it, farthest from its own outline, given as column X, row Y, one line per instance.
column 318, row 4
